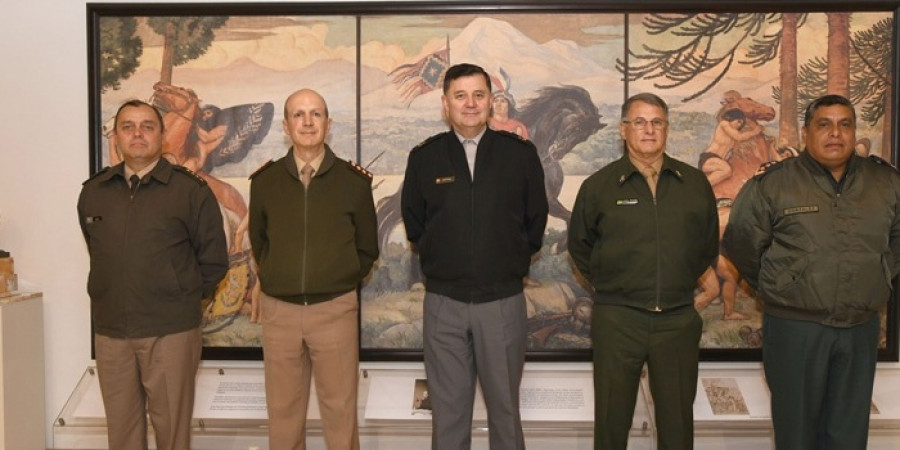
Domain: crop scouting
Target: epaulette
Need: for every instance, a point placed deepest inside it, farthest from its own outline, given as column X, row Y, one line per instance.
column 882, row 161
column 190, row 172
column 261, row 168
column 428, row 140
column 99, row 172
column 766, row 167
column 512, row 135
column 360, row 170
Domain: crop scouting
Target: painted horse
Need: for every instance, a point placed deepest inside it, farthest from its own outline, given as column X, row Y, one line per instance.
column 558, row 119
column 202, row 138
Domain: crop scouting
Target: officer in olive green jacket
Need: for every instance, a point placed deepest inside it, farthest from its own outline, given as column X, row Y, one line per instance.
column 313, row 232
column 818, row 236
column 643, row 230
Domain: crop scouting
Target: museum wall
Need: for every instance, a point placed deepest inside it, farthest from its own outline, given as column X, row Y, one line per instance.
column 43, row 160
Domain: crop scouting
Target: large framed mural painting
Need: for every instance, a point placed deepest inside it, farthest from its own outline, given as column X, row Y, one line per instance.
column 736, row 79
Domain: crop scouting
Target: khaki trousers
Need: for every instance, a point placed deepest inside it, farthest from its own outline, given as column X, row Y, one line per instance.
column 155, row 375
column 299, row 341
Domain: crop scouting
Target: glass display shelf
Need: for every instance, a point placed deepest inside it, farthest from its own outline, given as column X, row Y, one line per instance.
column 229, row 411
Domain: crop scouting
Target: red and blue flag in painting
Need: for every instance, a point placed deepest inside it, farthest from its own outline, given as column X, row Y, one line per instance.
column 424, row 75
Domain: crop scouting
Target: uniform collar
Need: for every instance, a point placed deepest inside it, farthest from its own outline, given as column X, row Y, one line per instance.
column 324, row 165
column 626, row 168
column 162, row 172
column 477, row 137
column 811, row 162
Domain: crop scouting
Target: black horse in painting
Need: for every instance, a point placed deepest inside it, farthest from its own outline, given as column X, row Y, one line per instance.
column 558, row 119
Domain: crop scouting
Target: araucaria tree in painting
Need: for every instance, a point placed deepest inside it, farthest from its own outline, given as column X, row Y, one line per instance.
column 683, row 64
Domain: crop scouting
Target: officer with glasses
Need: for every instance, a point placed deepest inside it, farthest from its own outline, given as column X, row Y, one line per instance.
column 643, row 230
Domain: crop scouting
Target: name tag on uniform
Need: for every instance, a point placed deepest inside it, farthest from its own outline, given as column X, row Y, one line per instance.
column 444, row 180
column 801, row 210
column 626, row 202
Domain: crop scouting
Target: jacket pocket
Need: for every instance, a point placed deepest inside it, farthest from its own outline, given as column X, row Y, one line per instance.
column 168, row 284
column 789, row 278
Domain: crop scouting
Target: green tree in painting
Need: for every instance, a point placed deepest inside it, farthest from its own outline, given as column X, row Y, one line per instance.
column 699, row 55
column 184, row 39
column 119, row 51
column 869, row 77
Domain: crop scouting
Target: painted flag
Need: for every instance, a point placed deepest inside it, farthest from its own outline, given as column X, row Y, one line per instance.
column 424, row 75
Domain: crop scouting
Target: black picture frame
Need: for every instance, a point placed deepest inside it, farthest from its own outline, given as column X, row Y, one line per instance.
column 354, row 17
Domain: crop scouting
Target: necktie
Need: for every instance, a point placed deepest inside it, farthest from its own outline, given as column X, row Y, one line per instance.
column 471, row 148
column 135, row 182
column 651, row 175
column 306, row 175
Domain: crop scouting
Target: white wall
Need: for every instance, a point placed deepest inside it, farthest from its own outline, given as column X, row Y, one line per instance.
column 43, row 160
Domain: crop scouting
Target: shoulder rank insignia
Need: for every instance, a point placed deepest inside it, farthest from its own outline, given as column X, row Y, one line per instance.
column 511, row 134
column 360, row 170
column 882, row 161
column 190, row 172
column 261, row 168
column 516, row 137
column 765, row 167
column 429, row 140
column 99, row 172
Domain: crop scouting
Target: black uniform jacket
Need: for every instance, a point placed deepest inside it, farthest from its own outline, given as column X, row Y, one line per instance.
column 475, row 239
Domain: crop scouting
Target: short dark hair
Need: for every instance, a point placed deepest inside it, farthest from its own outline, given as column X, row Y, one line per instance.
column 135, row 103
column 646, row 97
column 826, row 100
column 733, row 114
column 464, row 70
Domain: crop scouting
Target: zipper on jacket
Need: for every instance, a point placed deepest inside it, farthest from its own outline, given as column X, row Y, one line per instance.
column 305, row 239
column 658, row 249
column 131, row 216
column 472, row 226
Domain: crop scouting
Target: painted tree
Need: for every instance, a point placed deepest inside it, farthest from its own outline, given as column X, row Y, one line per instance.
column 788, row 129
column 698, row 54
column 184, row 39
column 838, row 53
column 119, row 51
column 869, row 80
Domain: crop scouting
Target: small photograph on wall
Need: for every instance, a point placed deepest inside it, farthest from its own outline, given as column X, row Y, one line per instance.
column 421, row 403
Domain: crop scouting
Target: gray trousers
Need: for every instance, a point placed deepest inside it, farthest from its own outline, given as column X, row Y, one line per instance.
column 465, row 342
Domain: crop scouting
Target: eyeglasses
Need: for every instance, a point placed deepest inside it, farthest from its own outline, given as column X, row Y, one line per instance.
column 640, row 123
